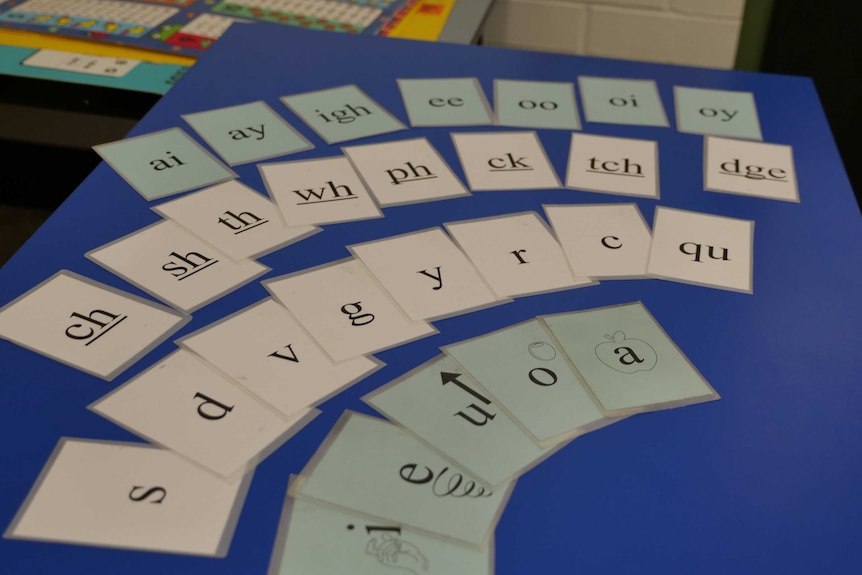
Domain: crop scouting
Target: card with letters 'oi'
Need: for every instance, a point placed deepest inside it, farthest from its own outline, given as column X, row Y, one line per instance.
column 504, row 161
column 265, row 350
column 316, row 539
column 622, row 101
column 235, row 219
column 87, row 325
column 613, row 166
column 188, row 407
column 372, row 467
column 627, row 360
column 131, row 496
column 445, row 102
column 750, row 169
column 524, row 104
column 443, row 406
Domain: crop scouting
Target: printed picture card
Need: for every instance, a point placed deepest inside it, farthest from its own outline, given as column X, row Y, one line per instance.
column 603, row 240
column 426, row 274
column 188, row 407
column 369, row 466
column 87, row 325
column 523, row 371
column 319, row 191
column 445, row 102
column 341, row 114
column 504, row 161
column 702, row 249
column 444, row 407
column 131, row 496
column 405, row 172
column 164, row 163
column 265, row 350
column 618, row 101
column 516, row 254
column 524, row 104
column 613, row 166
column 175, row 266
column 235, row 219
column 750, row 169
column 345, row 310
column 247, row 133
column 316, row 539
column 717, row 112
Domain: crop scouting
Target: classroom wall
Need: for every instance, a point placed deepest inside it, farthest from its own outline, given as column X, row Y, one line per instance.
column 691, row 32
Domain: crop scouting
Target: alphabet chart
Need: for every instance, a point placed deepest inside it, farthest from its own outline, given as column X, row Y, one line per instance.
column 433, row 309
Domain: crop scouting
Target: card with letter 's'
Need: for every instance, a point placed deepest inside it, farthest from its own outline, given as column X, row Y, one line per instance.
column 175, row 266
column 750, row 169
column 188, row 407
column 504, row 161
column 235, row 219
column 717, row 112
column 627, row 360
column 613, row 166
column 265, row 350
column 372, row 467
column 87, row 325
column 445, row 102
column 524, row 104
column 130, row 496
column 622, row 101
column 444, row 407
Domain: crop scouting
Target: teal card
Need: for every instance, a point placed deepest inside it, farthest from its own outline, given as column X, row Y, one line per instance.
column 627, row 359
column 164, row 163
column 369, row 466
column 444, row 407
column 536, row 104
column 445, row 102
column 613, row 101
column 246, row 133
column 319, row 540
column 522, row 369
column 342, row 114
column 717, row 112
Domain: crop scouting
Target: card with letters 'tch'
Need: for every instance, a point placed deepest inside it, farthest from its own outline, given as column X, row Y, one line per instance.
column 627, row 360
column 130, row 496
column 316, row 539
column 372, row 467
column 87, row 325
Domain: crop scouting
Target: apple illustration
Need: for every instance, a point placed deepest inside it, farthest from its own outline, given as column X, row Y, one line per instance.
column 626, row 355
column 542, row 350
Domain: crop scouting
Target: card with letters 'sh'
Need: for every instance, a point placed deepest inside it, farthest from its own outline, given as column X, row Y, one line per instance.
column 316, row 539
column 87, row 325
column 504, row 161
column 444, row 407
column 627, row 360
column 188, row 407
column 265, row 350
column 372, row 467
column 175, row 266
column 235, row 219
column 130, row 496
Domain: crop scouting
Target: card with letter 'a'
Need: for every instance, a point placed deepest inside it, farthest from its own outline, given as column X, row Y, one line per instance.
column 131, row 496
column 372, row 467
column 87, row 325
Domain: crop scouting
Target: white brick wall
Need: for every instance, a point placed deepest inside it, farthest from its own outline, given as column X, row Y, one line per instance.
column 690, row 32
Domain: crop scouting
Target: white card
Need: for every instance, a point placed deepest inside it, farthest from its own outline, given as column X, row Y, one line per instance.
column 183, row 404
column 750, row 169
column 426, row 274
column 87, row 325
column 405, row 172
column 81, row 63
column 320, row 191
column 129, row 495
column 603, row 240
column 613, row 165
column 504, row 161
column 517, row 254
column 264, row 349
column 345, row 310
column 702, row 249
column 175, row 266
column 235, row 219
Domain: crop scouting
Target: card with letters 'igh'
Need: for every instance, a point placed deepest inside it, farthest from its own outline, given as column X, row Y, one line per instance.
column 370, row 466
column 131, row 496
column 627, row 360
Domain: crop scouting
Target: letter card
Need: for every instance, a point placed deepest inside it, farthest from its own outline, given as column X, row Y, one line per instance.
column 717, row 112
column 504, row 161
column 445, row 102
column 622, row 101
column 613, row 165
column 750, row 169
column 524, row 104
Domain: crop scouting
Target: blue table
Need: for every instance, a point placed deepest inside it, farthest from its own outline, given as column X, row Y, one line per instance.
column 766, row 480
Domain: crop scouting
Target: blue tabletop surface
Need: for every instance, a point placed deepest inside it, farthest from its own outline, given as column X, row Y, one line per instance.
column 766, row 480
